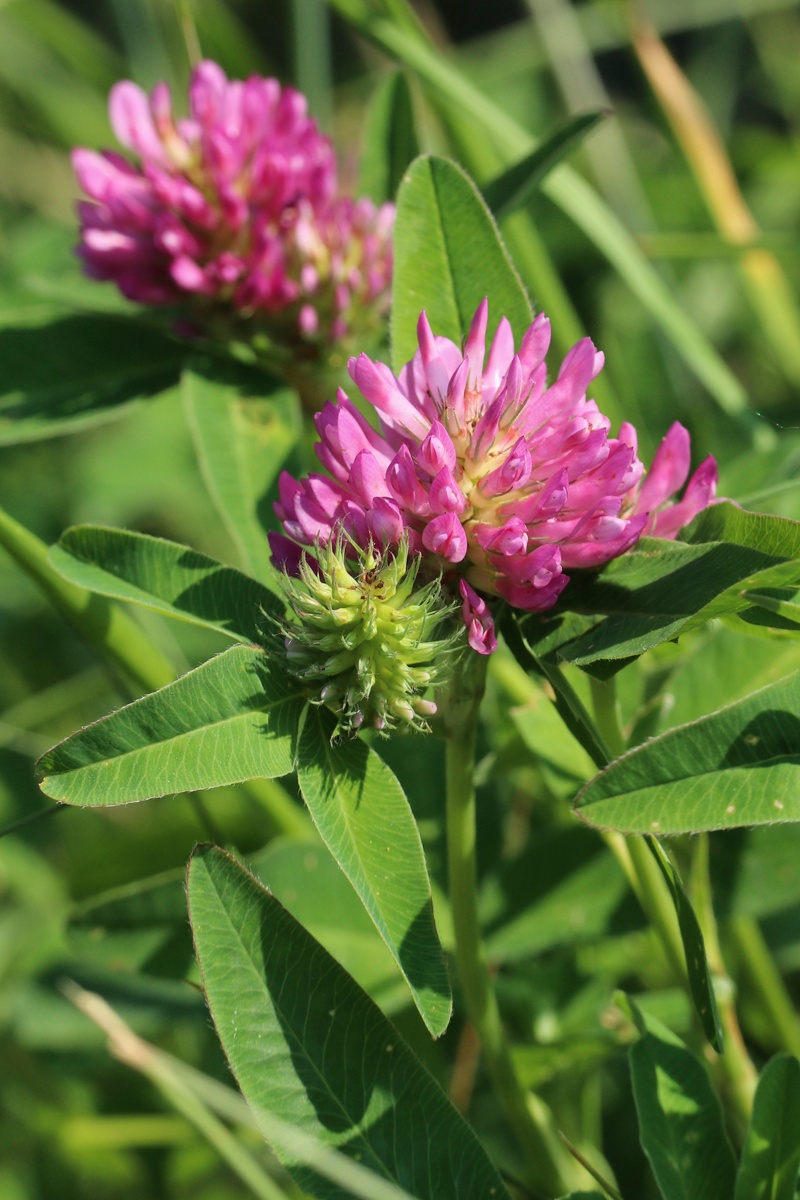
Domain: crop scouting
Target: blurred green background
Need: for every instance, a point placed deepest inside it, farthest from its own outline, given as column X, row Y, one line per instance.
column 700, row 161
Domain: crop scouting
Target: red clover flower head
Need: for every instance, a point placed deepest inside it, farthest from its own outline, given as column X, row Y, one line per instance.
column 235, row 208
column 498, row 481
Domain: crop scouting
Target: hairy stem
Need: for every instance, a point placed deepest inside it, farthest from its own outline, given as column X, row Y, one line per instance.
column 549, row 1167
column 766, row 981
column 737, row 1075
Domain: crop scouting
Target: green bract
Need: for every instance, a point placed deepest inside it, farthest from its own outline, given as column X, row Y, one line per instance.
column 365, row 638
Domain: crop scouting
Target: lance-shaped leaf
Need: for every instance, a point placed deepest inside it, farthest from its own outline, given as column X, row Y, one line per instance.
column 738, row 766
column 390, row 139
column 509, row 191
column 363, row 816
column 448, row 256
column 779, row 609
column 78, row 371
column 771, row 1154
column 654, row 595
column 568, row 704
column 700, row 983
column 165, row 576
column 229, row 720
column 308, row 1046
column 680, row 1119
column 726, row 522
column 244, row 425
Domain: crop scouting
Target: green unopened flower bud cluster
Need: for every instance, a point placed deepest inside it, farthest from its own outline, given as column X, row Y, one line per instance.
column 367, row 640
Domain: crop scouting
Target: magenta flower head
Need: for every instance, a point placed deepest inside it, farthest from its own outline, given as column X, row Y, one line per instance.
column 499, row 481
column 235, row 209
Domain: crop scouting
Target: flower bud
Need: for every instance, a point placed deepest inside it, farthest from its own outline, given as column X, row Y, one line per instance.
column 365, row 638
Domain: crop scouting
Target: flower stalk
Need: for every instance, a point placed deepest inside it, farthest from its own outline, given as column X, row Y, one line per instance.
column 738, row 1074
column 766, row 981
column 549, row 1167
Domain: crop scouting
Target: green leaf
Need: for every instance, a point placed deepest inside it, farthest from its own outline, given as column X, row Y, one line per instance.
column 244, row 425
column 362, row 814
column 738, row 766
column 726, row 522
column 390, row 139
column 771, row 1154
column 649, row 596
column 680, row 1120
column 720, row 673
column 308, row 1046
column 515, row 186
column 757, row 872
column 553, row 748
column 565, row 889
column 700, row 983
column 229, row 720
column 167, row 577
column 307, row 881
column 783, row 606
column 448, row 256
column 79, row 371
column 568, row 704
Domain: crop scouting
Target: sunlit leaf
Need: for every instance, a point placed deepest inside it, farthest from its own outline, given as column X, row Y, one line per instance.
column 363, row 816
column 165, row 576
column 229, row 720
column 680, row 1120
column 653, row 595
column 771, row 1154
column 738, row 766
column 448, row 256
column 308, row 1046
column 782, row 606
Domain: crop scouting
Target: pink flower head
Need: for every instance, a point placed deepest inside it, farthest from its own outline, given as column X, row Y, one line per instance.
column 235, row 206
column 497, row 478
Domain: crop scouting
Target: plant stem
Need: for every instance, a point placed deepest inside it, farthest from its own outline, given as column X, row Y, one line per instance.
column 738, row 1075
column 766, row 980
column 548, row 1165
column 607, row 715
column 104, row 624
column 194, row 51
column 631, row 853
column 650, row 889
